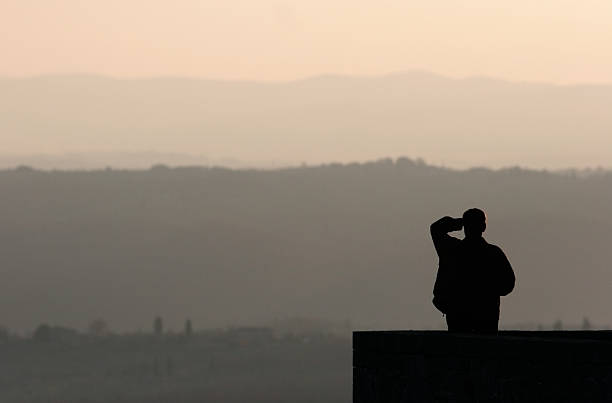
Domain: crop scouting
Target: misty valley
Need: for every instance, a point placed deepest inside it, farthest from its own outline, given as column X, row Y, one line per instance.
column 240, row 251
column 231, row 365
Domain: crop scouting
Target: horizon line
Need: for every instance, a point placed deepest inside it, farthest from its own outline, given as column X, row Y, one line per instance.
column 281, row 166
column 395, row 73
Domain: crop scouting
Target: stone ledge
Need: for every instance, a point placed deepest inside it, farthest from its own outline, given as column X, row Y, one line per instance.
column 512, row 366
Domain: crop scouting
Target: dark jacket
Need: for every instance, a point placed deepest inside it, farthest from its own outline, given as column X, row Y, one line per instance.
column 472, row 275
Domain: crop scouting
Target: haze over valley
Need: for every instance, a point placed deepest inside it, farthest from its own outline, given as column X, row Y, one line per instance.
column 336, row 242
column 87, row 121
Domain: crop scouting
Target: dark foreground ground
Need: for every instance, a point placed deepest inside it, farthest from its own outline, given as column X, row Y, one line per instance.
column 508, row 367
column 205, row 367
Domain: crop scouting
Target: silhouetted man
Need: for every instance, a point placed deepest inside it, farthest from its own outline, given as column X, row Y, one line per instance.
column 472, row 274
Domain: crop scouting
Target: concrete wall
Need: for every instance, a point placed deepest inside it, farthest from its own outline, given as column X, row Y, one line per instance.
column 433, row 366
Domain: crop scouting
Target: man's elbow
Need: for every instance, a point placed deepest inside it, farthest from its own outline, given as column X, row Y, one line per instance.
column 438, row 226
column 509, row 287
column 433, row 228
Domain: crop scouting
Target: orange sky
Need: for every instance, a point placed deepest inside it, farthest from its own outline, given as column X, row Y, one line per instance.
column 563, row 41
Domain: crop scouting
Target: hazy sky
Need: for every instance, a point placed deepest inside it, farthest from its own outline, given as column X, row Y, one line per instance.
column 563, row 41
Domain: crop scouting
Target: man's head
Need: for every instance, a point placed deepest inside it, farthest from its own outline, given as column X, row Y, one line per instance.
column 474, row 223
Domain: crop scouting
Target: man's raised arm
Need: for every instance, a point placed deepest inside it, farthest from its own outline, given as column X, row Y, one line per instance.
column 440, row 229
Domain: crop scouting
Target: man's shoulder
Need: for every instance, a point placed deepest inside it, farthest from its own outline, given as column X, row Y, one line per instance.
column 494, row 249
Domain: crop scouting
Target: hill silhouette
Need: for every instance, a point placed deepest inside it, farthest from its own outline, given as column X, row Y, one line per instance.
column 334, row 242
column 455, row 122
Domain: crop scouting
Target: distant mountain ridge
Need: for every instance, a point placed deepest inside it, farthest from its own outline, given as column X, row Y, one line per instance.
column 455, row 122
column 125, row 160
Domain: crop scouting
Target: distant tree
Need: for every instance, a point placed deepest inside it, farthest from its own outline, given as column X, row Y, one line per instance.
column 42, row 333
column 404, row 162
column 558, row 325
column 98, row 328
column 24, row 168
column 586, row 323
column 188, row 328
column 159, row 168
column 158, row 326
